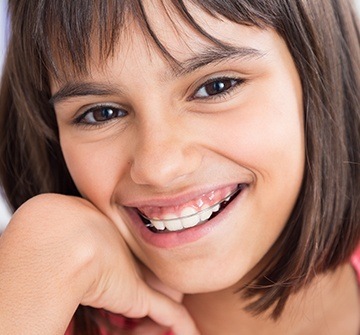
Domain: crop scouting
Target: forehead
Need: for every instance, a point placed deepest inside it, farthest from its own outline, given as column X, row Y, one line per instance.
column 95, row 34
column 182, row 37
column 163, row 31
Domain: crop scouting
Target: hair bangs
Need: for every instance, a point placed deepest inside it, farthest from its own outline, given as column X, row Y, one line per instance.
column 65, row 33
column 243, row 12
column 69, row 35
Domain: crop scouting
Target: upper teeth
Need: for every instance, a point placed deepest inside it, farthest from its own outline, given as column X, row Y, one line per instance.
column 189, row 218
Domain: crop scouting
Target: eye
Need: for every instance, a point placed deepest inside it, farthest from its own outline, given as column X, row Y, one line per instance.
column 216, row 87
column 100, row 114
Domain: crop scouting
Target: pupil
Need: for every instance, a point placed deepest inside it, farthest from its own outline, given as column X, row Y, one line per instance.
column 217, row 87
column 104, row 114
column 107, row 113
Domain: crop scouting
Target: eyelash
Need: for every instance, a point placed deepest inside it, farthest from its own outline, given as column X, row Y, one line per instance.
column 234, row 82
column 81, row 120
column 227, row 89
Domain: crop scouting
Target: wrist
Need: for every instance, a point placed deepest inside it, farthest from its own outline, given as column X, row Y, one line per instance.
column 47, row 263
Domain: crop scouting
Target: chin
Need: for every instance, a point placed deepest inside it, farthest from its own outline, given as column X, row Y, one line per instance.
column 204, row 282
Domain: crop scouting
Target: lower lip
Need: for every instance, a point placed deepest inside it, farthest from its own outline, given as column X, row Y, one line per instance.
column 183, row 237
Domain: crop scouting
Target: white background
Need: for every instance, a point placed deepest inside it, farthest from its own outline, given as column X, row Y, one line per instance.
column 4, row 213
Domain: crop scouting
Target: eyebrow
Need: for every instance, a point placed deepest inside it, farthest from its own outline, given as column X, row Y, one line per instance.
column 209, row 56
column 213, row 55
column 78, row 89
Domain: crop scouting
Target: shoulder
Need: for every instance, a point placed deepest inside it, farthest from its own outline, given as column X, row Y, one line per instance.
column 355, row 261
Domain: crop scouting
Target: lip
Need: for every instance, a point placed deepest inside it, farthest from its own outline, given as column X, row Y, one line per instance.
column 180, row 238
column 180, row 198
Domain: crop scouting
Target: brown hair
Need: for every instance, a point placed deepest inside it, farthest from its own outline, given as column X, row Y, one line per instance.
column 52, row 37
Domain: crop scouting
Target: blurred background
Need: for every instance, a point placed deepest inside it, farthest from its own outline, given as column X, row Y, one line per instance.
column 4, row 212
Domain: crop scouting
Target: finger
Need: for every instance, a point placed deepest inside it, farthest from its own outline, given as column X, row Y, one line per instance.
column 171, row 314
column 150, row 279
column 148, row 327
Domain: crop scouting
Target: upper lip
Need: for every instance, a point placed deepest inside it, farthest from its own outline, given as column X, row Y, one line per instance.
column 169, row 200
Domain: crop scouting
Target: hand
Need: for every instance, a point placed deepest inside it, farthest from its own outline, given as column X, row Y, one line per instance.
column 146, row 326
column 59, row 251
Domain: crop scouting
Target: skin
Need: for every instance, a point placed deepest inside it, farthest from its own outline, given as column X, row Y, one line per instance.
column 170, row 145
column 141, row 158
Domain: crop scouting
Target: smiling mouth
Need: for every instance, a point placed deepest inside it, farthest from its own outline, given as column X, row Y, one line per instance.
column 193, row 218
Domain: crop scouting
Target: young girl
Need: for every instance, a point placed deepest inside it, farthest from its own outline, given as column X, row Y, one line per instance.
column 183, row 166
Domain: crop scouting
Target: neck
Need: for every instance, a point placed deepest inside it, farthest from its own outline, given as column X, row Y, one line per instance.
column 330, row 305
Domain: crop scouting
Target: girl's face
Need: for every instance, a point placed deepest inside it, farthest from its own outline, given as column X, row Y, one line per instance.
column 141, row 134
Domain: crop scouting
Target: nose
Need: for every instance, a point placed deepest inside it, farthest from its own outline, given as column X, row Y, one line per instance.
column 164, row 155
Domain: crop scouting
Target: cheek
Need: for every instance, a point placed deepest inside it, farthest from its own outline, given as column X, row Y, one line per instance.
column 95, row 168
column 266, row 137
column 268, row 144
